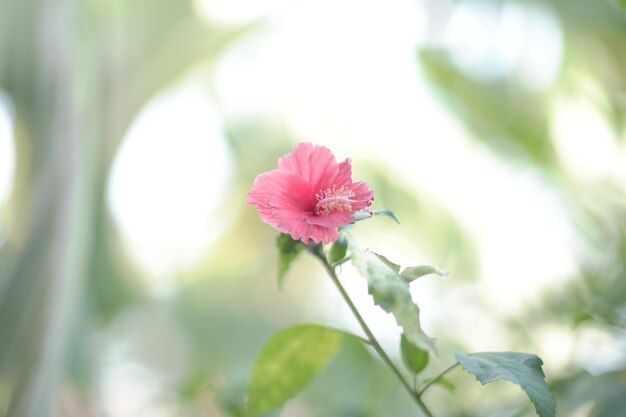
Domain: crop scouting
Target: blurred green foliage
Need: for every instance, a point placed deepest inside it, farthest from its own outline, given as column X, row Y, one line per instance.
column 512, row 120
column 77, row 74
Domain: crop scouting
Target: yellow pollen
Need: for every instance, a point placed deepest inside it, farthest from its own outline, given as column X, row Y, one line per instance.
column 334, row 199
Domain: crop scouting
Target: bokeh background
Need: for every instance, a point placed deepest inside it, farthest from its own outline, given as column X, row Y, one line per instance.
column 134, row 280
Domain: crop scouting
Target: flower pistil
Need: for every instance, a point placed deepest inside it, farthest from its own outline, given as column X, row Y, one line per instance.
column 334, row 199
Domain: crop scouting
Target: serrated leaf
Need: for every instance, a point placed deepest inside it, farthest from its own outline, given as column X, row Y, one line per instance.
column 523, row 369
column 395, row 267
column 288, row 250
column 413, row 272
column 414, row 358
column 390, row 292
column 338, row 250
column 287, row 363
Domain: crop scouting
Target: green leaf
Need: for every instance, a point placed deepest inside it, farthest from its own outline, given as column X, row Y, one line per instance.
column 395, row 267
column 362, row 215
column 288, row 250
column 391, row 292
column 523, row 369
column 287, row 363
column 413, row 272
column 231, row 397
column 366, row 214
column 414, row 358
column 386, row 213
column 338, row 250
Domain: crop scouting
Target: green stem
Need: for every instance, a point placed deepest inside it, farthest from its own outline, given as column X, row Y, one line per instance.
column 340, row 262
column 437, row 378
column 373, row 341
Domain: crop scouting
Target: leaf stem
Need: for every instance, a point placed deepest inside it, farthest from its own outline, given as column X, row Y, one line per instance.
column 340, row 262
column 373, row 341
column 437, row 378
column 352, row 335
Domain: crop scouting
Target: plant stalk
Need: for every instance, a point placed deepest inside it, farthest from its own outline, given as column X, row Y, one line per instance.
column 373, row 341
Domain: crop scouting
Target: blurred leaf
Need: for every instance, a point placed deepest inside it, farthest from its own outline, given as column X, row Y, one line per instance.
column 503, row 115
column 338, row 250
column 231, row 398
column 414, row 358
column 287, row 363
column 523, row 369
column 607, row 393
column 390, row 292
column 413, row 272
column 288, row 250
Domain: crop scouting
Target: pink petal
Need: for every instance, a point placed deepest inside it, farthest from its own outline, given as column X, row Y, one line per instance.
column 280, row 198
column 323, row 234
column 364, row 196
column 313, row 163
column 344, row 174
column 332, row 220
column 298, row 229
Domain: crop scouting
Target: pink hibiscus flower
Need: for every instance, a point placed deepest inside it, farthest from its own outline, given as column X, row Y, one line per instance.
column 310, row 195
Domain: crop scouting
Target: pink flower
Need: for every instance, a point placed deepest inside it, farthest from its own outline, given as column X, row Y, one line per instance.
column 310, row 195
